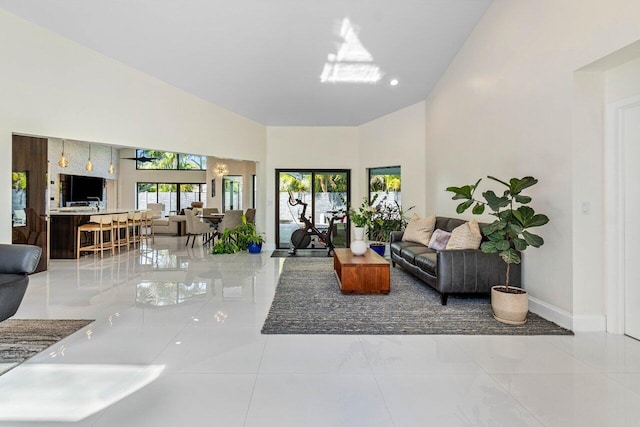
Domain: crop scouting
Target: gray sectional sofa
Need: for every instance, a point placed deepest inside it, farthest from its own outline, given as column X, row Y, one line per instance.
column 467, row 271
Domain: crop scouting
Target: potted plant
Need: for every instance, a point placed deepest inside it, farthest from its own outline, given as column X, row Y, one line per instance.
column 384, row 219
column 360, row 219
column 507, row 236
column 242, row 237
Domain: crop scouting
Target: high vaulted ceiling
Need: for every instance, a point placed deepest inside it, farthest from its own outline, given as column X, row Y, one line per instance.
column 265, row 59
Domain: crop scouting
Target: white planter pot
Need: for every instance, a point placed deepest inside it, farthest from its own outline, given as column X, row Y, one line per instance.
column 510, row 308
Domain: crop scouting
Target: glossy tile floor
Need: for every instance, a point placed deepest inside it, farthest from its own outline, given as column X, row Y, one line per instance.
column 177, row 342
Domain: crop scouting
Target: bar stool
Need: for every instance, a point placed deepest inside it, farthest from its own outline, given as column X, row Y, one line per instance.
column 134, row 222
column 120, row 223
column 96, row 227
column 147, row 224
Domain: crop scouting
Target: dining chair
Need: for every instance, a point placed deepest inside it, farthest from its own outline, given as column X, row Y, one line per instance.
column 196, row 227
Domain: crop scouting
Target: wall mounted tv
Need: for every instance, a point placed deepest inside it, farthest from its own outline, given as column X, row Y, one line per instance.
column 78, row 188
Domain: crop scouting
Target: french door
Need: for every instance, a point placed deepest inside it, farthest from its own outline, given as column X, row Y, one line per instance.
column 325, row 191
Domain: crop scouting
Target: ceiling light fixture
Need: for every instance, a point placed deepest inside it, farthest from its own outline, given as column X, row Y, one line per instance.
column 112, row 170
column 63, row 162
column 394, row 82
column 89, row 165
column 221, row 169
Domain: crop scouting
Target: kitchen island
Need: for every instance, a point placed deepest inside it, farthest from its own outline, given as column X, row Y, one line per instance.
column 64, row 225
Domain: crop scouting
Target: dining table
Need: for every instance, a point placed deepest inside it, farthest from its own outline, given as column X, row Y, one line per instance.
column 214, row 219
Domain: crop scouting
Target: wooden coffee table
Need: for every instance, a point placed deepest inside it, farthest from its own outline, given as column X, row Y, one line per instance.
column 363, row 274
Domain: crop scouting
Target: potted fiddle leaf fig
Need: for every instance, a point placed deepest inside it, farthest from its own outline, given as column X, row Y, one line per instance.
column 507, row 236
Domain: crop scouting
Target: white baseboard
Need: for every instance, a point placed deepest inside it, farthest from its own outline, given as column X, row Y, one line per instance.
column 550, row 312
column 596, row 323
column 593, row 323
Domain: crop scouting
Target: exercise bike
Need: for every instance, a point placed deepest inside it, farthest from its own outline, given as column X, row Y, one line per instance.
column 301, row 238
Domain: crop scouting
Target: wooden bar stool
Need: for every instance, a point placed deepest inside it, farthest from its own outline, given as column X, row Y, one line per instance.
column 147, row 226
column 97, row 226
column 134, row 223
column 121, row 230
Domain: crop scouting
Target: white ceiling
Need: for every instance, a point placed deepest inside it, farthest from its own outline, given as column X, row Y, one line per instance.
column 263, row 58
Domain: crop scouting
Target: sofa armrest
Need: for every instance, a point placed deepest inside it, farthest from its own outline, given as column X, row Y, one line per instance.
column 471, row 270
column 19, row 259
column 396, row 236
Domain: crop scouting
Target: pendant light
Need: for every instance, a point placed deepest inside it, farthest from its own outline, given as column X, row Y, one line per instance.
column 112, row 170
column 220, row 169
column 89, row 165
column 63, row 162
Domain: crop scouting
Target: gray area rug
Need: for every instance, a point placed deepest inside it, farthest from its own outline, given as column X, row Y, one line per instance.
column 300, row 253
column 308, row 301
column 22, row 339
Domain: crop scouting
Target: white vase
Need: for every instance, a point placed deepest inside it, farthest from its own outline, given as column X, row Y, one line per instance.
column 358, row 246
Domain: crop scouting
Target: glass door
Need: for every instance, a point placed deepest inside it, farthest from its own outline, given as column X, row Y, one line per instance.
column 231, row 192
column 325, row 192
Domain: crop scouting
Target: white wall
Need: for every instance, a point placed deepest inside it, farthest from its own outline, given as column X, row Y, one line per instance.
column 397, row 139
column 623, row 81
column 505, row 107
column 53, row 87
column 235, row 167
column 308, row 147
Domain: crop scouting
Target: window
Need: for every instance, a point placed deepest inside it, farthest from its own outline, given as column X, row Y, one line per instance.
column 385, row 182
column 165, row 160
column 174, row 196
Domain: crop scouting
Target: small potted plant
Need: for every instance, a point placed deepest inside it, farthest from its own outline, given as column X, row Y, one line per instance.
column 360, row 219
column 507, row 236
column 254, row 243
column 243, row 237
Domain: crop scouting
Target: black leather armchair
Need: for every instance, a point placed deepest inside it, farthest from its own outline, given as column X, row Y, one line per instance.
column 16, row 262
column 467, row 271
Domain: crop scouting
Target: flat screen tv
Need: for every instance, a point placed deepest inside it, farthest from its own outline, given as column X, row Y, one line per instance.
column 78, row 188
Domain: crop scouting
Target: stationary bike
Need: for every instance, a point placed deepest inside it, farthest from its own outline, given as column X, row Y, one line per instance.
column 301, row 238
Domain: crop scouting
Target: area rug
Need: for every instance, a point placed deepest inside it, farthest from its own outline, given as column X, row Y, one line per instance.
column 22, row 339
column 300, row 253
column 308, row 301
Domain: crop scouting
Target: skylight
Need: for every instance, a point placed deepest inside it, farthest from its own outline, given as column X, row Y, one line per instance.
column 352, row 63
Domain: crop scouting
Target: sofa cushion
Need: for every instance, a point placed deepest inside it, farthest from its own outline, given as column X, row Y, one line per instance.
column 419, row 230
column 397, row 247
column 410, row 253
column 466, row 236
column 439, row 239
column 427, row 262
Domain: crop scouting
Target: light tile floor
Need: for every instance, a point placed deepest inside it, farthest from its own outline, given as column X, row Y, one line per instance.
column 177, row 342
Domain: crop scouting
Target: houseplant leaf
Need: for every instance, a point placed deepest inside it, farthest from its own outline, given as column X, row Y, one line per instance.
column 533, row 239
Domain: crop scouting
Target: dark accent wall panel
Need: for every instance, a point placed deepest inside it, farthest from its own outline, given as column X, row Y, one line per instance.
column 30, row 156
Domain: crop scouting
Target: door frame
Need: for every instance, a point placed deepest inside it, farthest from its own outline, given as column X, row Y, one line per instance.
column 312, row 213
column 614, row 206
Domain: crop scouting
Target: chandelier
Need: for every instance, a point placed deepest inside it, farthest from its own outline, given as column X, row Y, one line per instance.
column 220, row 169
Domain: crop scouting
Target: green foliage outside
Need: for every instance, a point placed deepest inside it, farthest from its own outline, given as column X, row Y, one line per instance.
column 18, row 181
column 171, row 161
column 385, row 183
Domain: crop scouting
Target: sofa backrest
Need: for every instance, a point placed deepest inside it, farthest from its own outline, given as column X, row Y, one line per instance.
column 448, row 224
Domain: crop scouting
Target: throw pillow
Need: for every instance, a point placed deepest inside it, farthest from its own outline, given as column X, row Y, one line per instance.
column 465, row 236
column 419, row 230
column 439, row 240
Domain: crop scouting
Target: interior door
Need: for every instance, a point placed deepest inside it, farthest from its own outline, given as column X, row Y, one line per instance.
column 631, row 142
column 29, row 194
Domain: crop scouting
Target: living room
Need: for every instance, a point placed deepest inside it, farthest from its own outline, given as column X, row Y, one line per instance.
column 526, row 94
